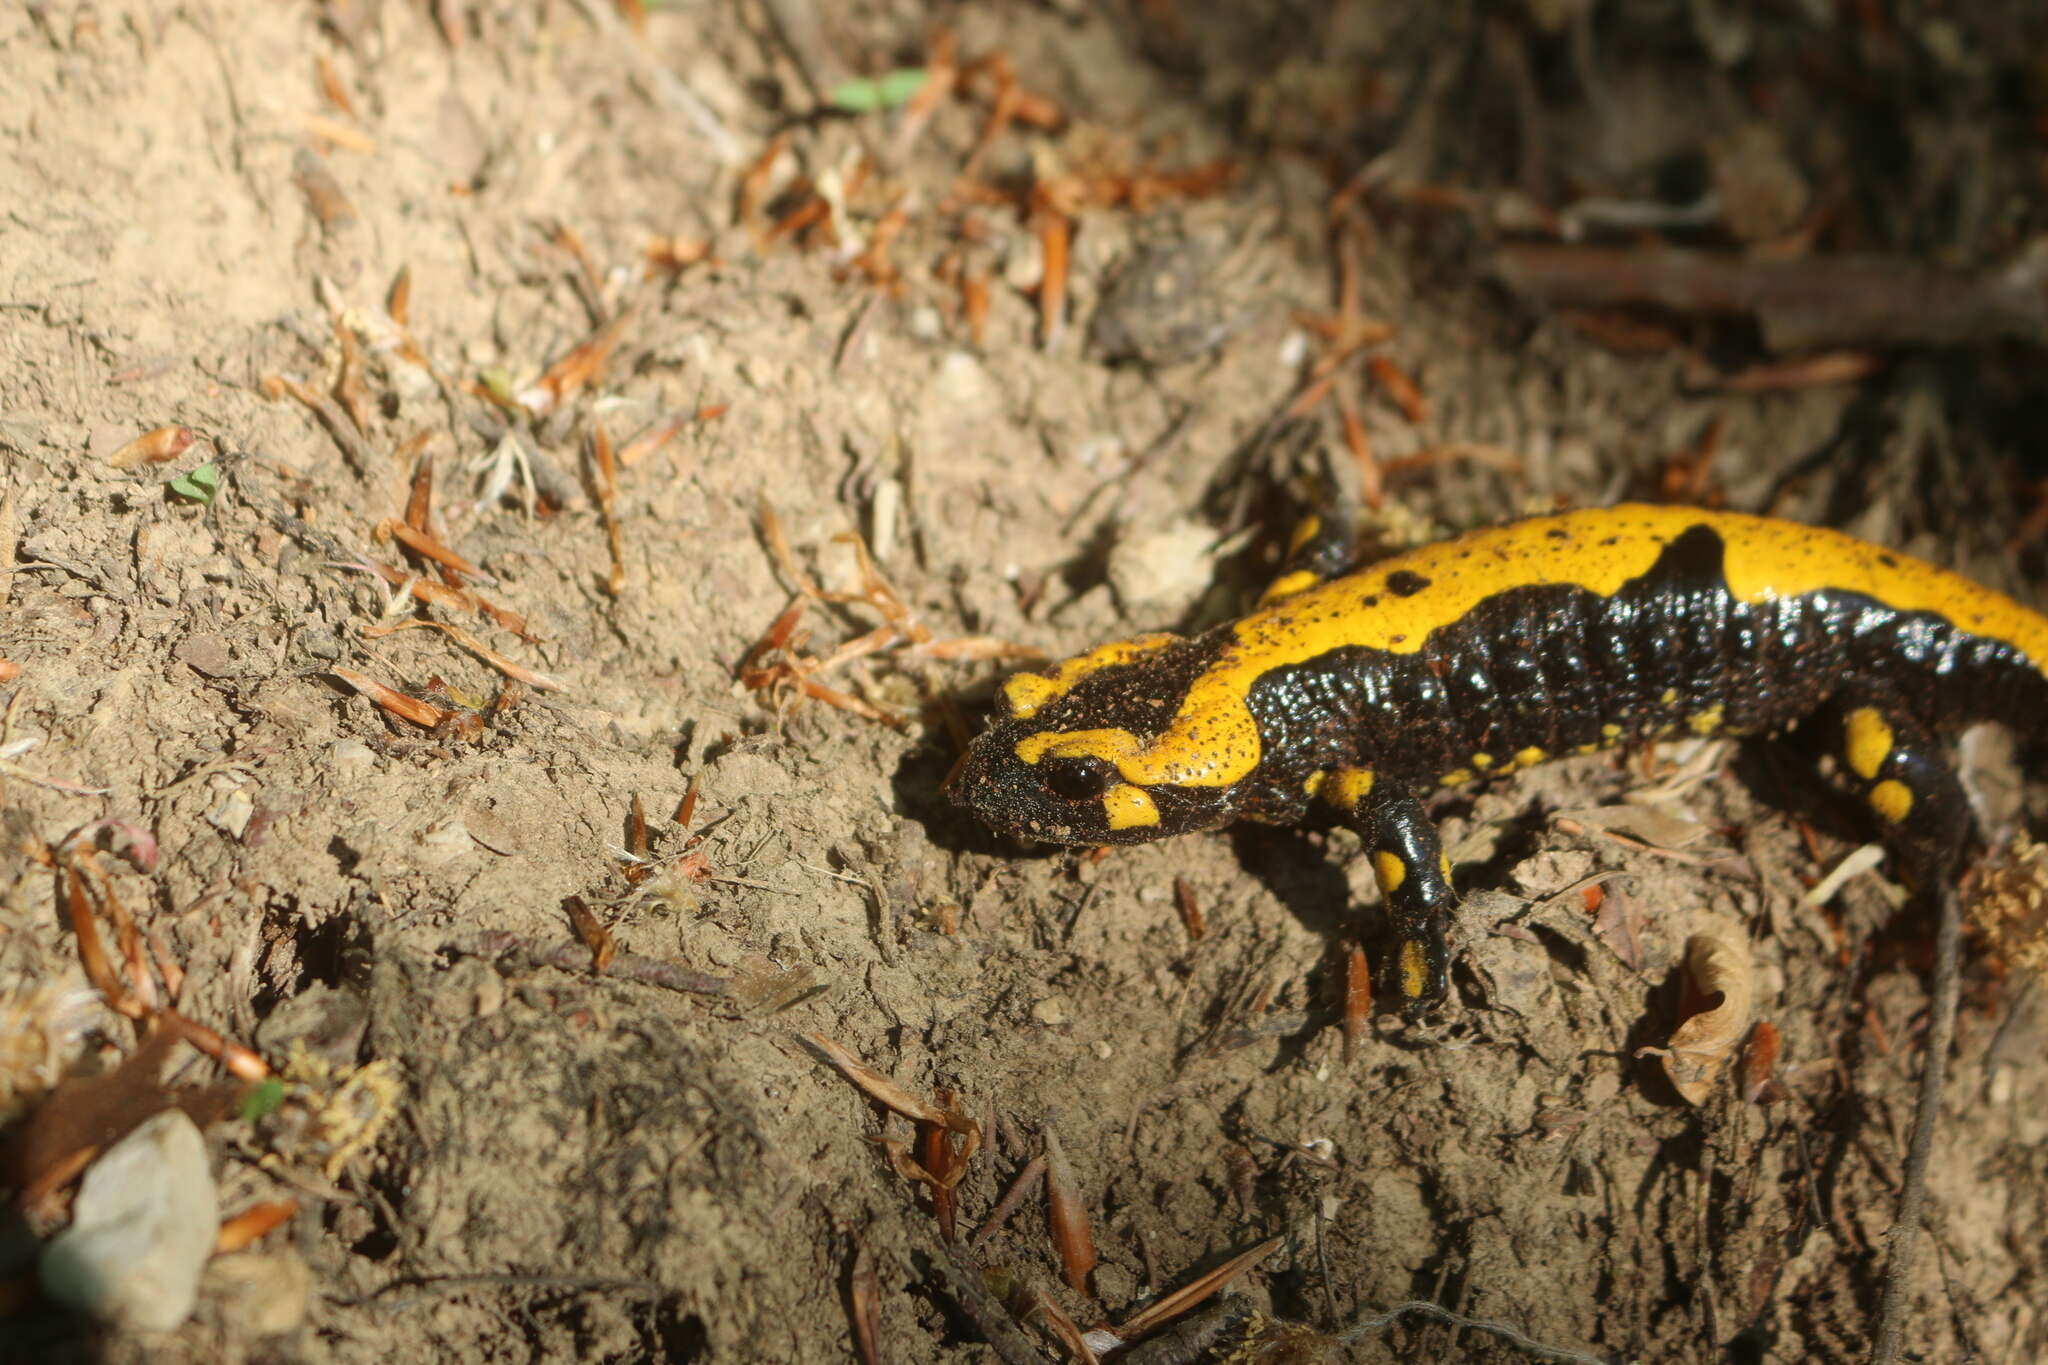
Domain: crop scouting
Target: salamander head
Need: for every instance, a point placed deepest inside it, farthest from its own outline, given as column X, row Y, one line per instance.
column 1071, row 757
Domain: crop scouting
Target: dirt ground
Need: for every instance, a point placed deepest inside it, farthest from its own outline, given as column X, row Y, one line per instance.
column 205, row 213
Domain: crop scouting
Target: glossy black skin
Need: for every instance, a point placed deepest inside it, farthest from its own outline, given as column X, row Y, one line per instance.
column 1546, row 667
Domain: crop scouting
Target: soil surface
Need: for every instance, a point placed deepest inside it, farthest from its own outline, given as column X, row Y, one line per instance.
column 336, row 241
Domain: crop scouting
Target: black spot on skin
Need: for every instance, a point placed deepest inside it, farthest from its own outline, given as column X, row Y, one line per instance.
column 1372, row 600
column 1889, row 561
column 1405, row 582
column 1558, row 533
column 1612, row 540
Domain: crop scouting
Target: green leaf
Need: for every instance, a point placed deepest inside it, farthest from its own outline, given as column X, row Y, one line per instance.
column 884, row 92
column 499, row 381
column 198, row 486
column 262, row 1099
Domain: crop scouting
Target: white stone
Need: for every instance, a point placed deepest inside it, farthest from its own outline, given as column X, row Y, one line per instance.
column 141, row 1231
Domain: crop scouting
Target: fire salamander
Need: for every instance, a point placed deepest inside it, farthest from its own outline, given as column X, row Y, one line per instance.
column 1474, row 657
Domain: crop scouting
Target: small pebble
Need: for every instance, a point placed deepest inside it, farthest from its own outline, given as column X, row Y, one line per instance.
column 141, row 1231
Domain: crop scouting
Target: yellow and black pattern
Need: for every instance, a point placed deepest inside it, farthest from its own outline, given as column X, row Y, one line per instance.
column 1502, row 648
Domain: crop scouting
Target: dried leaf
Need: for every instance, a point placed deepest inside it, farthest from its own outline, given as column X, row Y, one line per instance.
column 1020, row 1189
column 154, row 447
column 864, row 1299
column 1063, row 1327
column 1189, row 1295
column 1357, row 998
column 1713, row 1013
column 1190, row 910
column 251, row 1225
column 423, row 543
column 595, row 936
column 1068, row 1216
column 1759, row 1064
column 882, row 1089
column 1619, row 923
column 1656, row 826
column 1399, row 387
column 421, row 713
column 1054, row 237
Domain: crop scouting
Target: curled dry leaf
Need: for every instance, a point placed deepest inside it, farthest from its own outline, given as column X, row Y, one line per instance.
column 1713, row 1012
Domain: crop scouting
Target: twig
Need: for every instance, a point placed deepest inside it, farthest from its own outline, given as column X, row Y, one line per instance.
column 575, row 957
column 961, row 1281
column 1020, row 1189
column 1378, row 1322
column 388, row 1298
column 1941, row 1032
column 667, row 87
column 1799, row 305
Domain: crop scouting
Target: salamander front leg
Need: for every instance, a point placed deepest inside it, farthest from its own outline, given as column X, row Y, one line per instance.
column 1415, row 878
column 1321, row 548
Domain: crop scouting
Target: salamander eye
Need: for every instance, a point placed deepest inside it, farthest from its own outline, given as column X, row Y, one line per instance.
column 1078, row 778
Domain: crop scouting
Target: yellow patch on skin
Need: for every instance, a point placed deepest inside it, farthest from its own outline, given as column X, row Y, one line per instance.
column 1456, row 777
column 1030, row 693
column 1213, row 740
column 1314, row 784
column 1289, row 585
column 1390, row 870
column 1111, row 745
column 1867, row 741
column 1610, row 731
column 1892, row 800
column 1670, row 696
column 1443, row 862
column 1708, row 721
column 1530, row 756
column 1129, row 807
column 1414, row 970
column 1482, row 761
column 1305, row 530
column 1349, row 788
column 1587, row 749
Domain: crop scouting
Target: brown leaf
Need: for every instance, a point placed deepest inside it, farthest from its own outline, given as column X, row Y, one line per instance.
column 1357, row 998
column 153, row 447
column 1068, row 1216
column 864, row 1299
column 884, row 1090
column 1657, row 826
column 1713, row 1012
column 1759, row 1064
column 1190, row 1295
column 595, row 936
column 1619, row 922
column 421, row 713
column 251, row 1225
column 1190, row 910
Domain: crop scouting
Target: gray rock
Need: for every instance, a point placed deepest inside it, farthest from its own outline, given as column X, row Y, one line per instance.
column 141, row 1231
